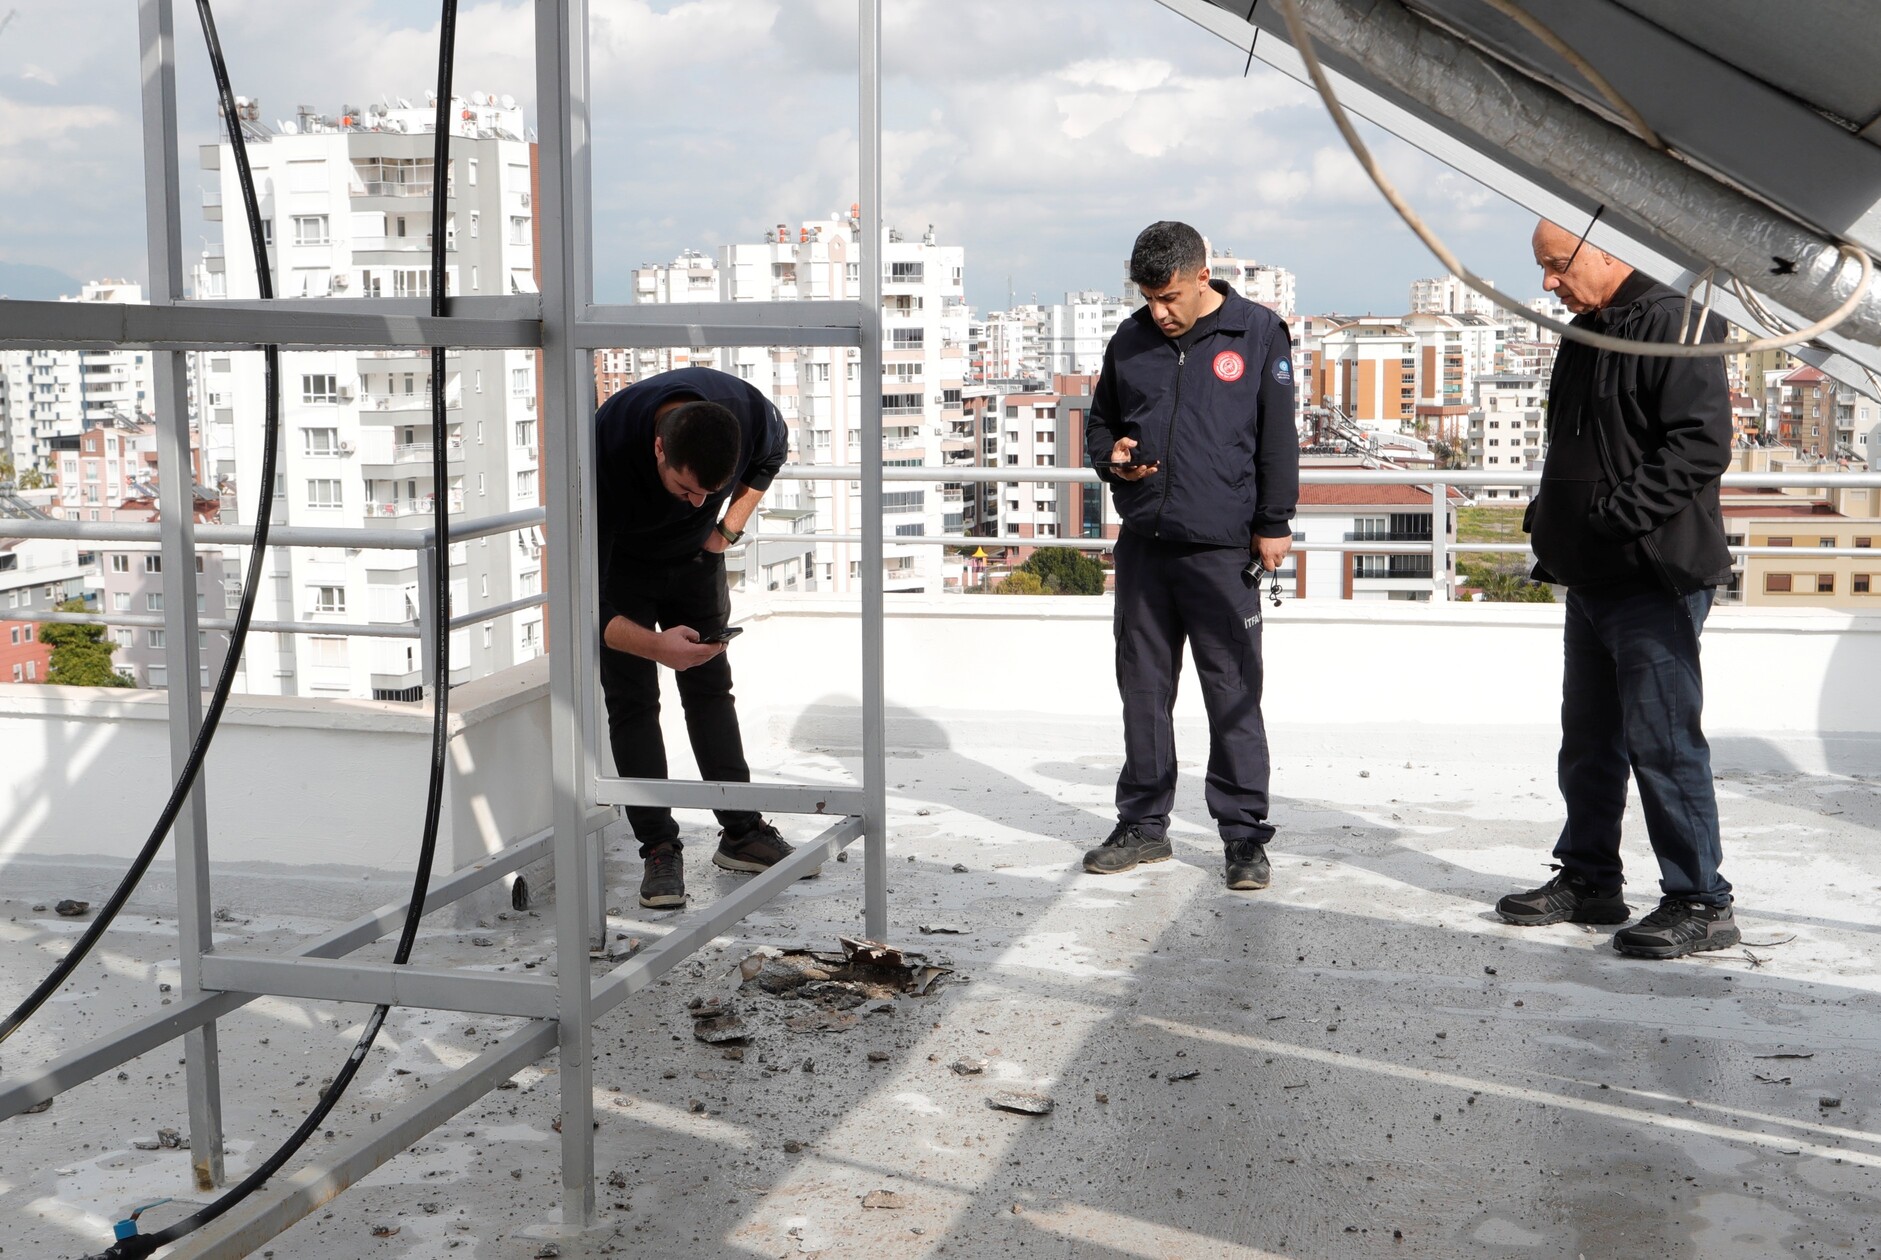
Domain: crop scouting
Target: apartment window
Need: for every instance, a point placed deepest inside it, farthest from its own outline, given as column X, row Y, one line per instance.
column 19, row 673
column 520, row 384
column 153, row 638
column 1864, row 542
column 321, row 441
column 1781, row 542
column 310, row 229
column 32, row 670
column 473, row 172
column 906, row 272
column 1776, row 583
column 411, row 282
column 153, row 563
column 29, row 632
column 323, row 492
column 322, row 387
column 518, row 230
column 153, row 602
column 16, row 636
column 327, row 651
column 1825, row 542
column 120, row 601
column 526, row 484
column 120, row 563
column 1861, row 584
column 328, row 599
column 529, row 582
column 475, row 220
column 526, row 433
column 489, row 633
column 1825, row 583
column 908, row 339
column 124, row 638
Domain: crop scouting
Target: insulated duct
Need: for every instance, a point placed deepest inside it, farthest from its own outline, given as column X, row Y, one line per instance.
column 1382, row 41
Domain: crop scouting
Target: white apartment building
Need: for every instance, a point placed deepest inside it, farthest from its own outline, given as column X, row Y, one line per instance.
column 1019, row 426
column 1077, row 330
column 1017, row 344
column 346, row 211
column 50, row 394
column 1453, row 352
column 1507, row 428
column 818, row 389
column 1447, row 295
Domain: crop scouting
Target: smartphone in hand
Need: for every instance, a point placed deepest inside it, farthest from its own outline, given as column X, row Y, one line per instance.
column 722, row 636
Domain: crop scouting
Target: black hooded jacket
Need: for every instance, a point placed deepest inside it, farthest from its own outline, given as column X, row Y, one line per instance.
column 1629, row 488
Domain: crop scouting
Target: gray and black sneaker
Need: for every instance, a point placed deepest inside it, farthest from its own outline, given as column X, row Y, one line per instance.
column 1247, row 865
column 757, row 848
column 1128, row 845
column 1564, row 899
column 663, row 882
column 1678, row 928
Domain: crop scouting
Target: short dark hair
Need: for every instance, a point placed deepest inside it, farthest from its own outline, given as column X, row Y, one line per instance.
column 1162, row 249
column 700, row 438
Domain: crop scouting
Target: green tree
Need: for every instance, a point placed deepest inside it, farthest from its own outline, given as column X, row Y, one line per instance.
column 81, row 656
column 1065, row 571
column 1020, row 583
column 6, row 469
column 32, row 479
column 1505, row 583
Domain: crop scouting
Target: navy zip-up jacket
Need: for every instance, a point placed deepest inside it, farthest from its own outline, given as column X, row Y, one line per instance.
column 1215, row 409
column 635, row 516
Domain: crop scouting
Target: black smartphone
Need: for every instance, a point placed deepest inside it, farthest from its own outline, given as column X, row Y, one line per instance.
column 722, row 636
column 1127, row 463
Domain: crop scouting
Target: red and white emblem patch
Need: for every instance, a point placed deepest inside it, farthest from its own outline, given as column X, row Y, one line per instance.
column 1229, row 366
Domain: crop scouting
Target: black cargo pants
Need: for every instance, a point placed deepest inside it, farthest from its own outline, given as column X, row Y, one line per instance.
column 1168, row 593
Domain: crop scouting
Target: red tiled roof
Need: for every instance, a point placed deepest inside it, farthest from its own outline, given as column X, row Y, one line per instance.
column 1804, row 375
column 1365, row 496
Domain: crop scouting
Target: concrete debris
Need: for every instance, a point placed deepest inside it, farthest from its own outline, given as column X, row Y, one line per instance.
column 1787, row 1054
column 882, row 1199
column 793, row 1148
column 548, row 1251
column 1189, row 1075
column 719, row 1030
column 384, row 1231
column 144, row 1144
column 968, row 1067
column 960, row 868
column 1102, row 1097
column 1021, row 1102
column 822, row 1021
column 1770, row 1080
column 1828, row 1101
column 169, row 1139
column 878, row 1056
column 617, row 1179
column 482, row 942
column 72, row 909
column 942, row 929
column 39, row 907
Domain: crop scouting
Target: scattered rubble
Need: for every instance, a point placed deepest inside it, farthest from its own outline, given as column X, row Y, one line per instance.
column 882, row 1199
column 72, row 909
column 1021, row 1102
column 969, row 1067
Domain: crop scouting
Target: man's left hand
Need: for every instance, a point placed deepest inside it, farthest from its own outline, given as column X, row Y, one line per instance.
column 1272, row 551
column 714, row 543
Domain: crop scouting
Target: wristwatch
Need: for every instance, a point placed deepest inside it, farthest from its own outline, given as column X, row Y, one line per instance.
column 731, row 536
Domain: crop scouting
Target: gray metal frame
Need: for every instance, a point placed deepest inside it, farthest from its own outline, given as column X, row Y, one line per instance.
column 564, row 322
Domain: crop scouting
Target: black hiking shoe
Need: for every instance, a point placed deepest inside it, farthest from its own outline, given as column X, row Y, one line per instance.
column 1128, row 845
column 1564, row 899
column 1247, row 865
column 1678, row 928
column 663, row 882
column 757, row 848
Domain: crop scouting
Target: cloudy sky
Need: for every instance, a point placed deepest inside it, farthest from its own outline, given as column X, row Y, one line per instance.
column 1040, row 134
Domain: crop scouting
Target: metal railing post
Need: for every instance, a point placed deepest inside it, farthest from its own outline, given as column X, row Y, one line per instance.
column 567, row 429
column 1439, row 541
column 874, row 716
column 177, row 555
column 428, row 560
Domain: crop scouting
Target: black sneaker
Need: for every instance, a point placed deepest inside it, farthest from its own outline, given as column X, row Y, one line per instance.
column 1678, row 928
column 757, row 848
column 1564, row 899
column 663, row 882
column 1247, row 865
column 1128, row 845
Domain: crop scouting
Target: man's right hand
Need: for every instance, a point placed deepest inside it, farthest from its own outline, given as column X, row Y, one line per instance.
column 678, row 648
column 1120, row 457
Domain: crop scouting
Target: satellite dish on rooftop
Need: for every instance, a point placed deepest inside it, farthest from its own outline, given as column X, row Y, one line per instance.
column 509, row 102
column 478, row 98
column 288, row 128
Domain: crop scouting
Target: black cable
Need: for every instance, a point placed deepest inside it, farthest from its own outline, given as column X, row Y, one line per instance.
column 141, row 1245
column 238, row 638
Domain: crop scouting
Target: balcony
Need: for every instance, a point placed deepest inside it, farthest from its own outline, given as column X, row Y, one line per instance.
column 421, row 506
column 1369, row 980
column 453, row 401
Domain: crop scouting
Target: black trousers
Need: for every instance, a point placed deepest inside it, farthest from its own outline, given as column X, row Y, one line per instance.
column 685, row 593
column 1169, row 593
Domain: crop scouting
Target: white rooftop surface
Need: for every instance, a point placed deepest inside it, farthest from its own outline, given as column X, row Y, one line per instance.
column 1384, row 1069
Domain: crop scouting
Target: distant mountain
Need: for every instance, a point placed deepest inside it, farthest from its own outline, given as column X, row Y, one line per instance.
column 31, row 283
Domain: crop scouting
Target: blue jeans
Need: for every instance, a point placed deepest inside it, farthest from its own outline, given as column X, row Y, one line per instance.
column 1632, row 696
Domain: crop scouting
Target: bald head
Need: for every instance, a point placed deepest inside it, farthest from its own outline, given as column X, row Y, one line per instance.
column 1584, row 281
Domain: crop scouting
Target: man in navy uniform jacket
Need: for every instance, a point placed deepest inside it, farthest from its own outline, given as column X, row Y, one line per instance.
column 1192, row 426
